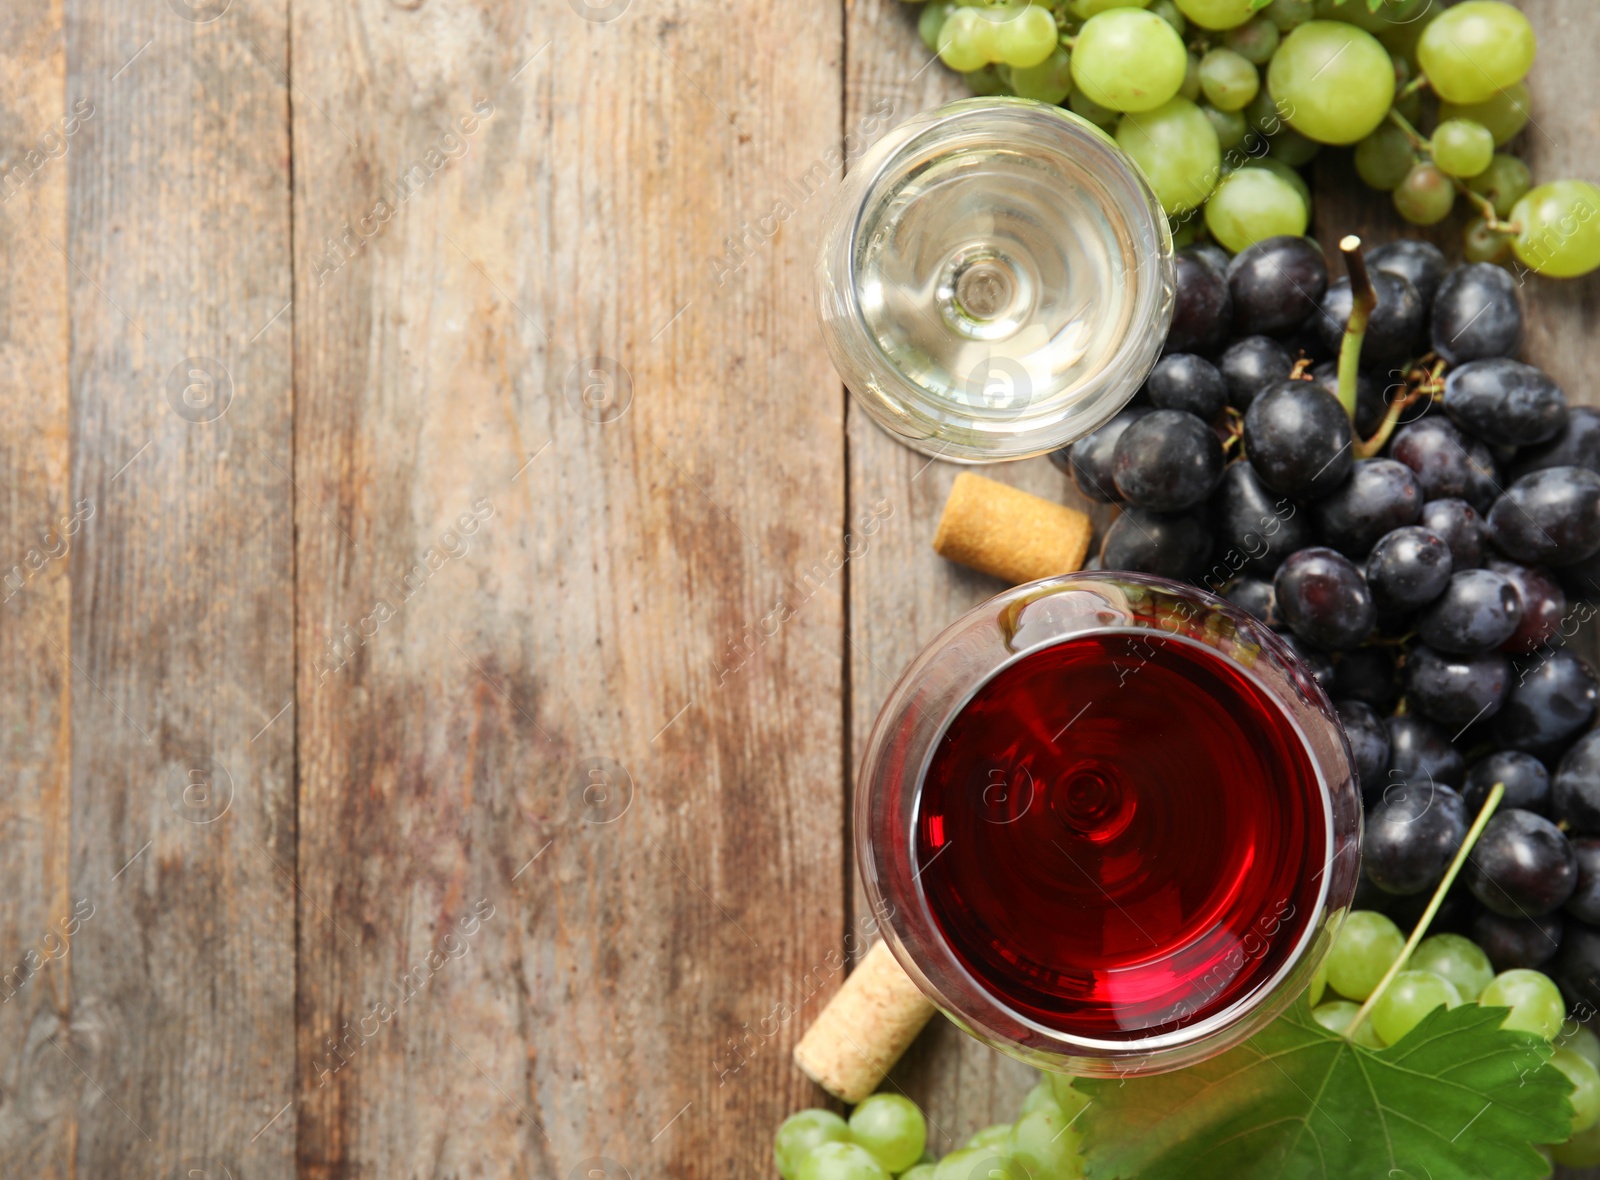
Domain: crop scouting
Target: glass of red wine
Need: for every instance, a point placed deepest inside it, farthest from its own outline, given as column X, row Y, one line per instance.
column 1111, row 823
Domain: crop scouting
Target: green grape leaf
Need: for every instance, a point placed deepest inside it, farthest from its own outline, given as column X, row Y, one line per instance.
column 1457, row 1098
column 1258, row 5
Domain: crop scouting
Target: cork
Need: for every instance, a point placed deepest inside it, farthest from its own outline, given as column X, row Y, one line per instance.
column 1011, row 534
column 864, row 1029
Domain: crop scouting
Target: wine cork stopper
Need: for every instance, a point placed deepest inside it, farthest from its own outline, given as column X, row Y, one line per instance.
column 1011, row 534
column 869, row 1023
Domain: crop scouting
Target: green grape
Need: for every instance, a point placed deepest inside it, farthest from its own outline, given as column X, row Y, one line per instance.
column 1585, row 1096
column 1191, row 80
column 1383, row 158
column 1458, row 959
column 1504, row 113
column 920, row 1172
column 1410, row 996
column 801, row 1132
column 1319, row 980
column 995, row 1135
column 1333, row 81
column 1128, row 60
column 1581, row 1151
column 1255, row 41
column 1229, row 126
column 1534, row 1000
column 1559, row 232
column 932, row 20
column 841, row 1161
column 1168, row 11
column 1287, row 174
column 1288, row 14
column 966, row 40
column 1229, row 81
column 988, row 80
column 1041, row 1097
column 1401, row 39
column 1046, row 1146
column 1580, row 1038
column 1479, row 243
column 1024, row 35
column 1361, row 14
column 1425, row 196
column 1292, row 148
column 1461, row 147
column 1336, row 1015
column 1252, row 204
column 1262, row 114
column 1217, row 14
column 1082, row 105
column 1367, row 945
column 1475, row 49
column 1084, row 9
column 1183, row 232
column 959, row 1164
column 1050, row 81
column 1177, row 150
column 892, row 1128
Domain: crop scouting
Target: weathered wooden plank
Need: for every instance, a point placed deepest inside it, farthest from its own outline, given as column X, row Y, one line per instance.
column 902, row 594
column 38, row 1087
column 182, row 816
column 585, row 710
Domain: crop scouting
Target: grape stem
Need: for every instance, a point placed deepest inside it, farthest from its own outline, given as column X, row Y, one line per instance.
column 1411, row 87
column 1428, row 387
column 1362, row 301
column 1413, row 136
column 1489, row 804
column 1484, row 206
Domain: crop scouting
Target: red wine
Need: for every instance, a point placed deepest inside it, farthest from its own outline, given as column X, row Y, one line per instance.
column 1122, row 835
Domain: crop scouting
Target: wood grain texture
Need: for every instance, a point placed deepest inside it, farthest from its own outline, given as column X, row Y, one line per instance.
column 39, row 1089
column 902, row 593
column 182, row 806
column 590, row 715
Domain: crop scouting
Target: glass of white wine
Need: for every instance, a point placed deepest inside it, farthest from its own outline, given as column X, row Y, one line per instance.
column 995, row 279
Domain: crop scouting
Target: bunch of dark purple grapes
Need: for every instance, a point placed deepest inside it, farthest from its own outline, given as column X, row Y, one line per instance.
column 1429, row 553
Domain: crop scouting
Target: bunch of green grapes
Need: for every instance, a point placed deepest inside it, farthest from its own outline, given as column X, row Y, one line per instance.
column 1220, row 101
column 887, row 1136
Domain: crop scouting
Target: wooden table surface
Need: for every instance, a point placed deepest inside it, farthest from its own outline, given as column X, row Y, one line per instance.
column 415, row 426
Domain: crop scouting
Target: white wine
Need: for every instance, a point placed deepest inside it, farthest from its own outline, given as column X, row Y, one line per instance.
column 997, row 280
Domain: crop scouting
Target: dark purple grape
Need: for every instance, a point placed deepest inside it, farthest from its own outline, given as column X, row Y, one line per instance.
column 1202, row 308
column 1255, row 597
column 1408, row 568
column 1577, row 964
column 1167, row 461
column 1317, row 662
column 1584, row 904
column 1251, row 365
column 1297, row 437
column 1576, row 446
column 1476, row 314
column 1551, row 517
column 1552, row 698
column 1169, row 546
column 1526, row 780
column 1395, row 331
column 1089, row 459
column 1411, row 837
column 1455, row 914
column 1544, row 604
column 1367, row 674
column 1254, row 523
column 1379, row 496
column 1461, row 527
column 1324, row 599
column 1275, row 285
column 1305, row 341
column 1581, row 581
column 1505, row 402
column 1420, row 752
column 1370, row 405
column 1422, row 263
column 1456, row 690
column 1513, row 943
column 1447, row 463
column 1478, row 611
column 1183, row 381
column 1212, row 255
column 1575, row 789
column 1369, row 740
column 1522, row 865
